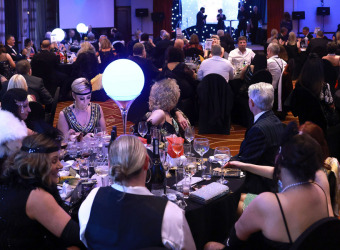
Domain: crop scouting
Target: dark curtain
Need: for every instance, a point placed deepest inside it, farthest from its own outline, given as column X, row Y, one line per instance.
column 164, row 6
column 275, row 9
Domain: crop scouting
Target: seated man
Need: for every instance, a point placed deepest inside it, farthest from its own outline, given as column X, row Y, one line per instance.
column 11, row 50
column 262, row 140
column 318, row 45
column 216, row 65
column 241, row 54
column 35, row 84
column 276, row 66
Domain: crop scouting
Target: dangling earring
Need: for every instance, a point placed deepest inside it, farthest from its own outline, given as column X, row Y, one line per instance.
column 148, row 174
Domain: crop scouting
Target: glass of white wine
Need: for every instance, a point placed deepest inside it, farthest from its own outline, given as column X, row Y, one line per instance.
column 142, row 128
column 222, row 155
column 190, row 166
column 102, row 171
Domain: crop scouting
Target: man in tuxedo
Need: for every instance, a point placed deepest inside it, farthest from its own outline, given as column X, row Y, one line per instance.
column 200, row 22
column 35, row 84
column 262, row 139
column 318, row 45
column 140, row 106
column 10, row 43
column 220, row 20
column 242, row 17
column 44, row 64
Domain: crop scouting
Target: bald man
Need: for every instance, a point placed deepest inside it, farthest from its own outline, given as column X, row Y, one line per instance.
column 179, row 44
column 44, row 65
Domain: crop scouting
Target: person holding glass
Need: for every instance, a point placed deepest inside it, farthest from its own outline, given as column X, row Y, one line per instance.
column 163, row 99
column 276, row 220
column 82, row 116
column 156, row 222
column 31, row 210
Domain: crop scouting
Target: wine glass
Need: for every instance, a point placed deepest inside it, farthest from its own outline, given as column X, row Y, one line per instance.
column 201, row 146
column 166, row 166
column 222, row 155
column 142, row 128
column 190, row 166
column 189, row 134
column 102, row 171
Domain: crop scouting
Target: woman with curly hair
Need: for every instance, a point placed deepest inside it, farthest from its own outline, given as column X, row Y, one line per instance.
column 31, row 210
column 164, row 96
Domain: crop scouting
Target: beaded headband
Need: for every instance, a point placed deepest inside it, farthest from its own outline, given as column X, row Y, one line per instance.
column 88, row 85
column 39, row 150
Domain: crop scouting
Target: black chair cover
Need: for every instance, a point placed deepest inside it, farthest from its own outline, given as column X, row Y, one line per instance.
column 215, row 104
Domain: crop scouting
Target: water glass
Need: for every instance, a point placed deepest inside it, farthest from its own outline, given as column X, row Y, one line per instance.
column 206, row 172
column 187, row 149
column 186, row 188
column 142, row 128
column 190, row 166
column 83, row 168
column 222, row 155
column 201, row 146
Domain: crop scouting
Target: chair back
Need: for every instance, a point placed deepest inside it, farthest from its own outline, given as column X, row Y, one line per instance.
column 323, row 234
column 262, row 76
column 215, row 99
column 50, row 117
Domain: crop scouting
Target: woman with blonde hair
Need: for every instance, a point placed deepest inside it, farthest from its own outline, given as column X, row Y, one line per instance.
column 292, row 46
column 19, row 82
column 153, row 221
column 35, row 218
column 82, row 116
column 106, row 54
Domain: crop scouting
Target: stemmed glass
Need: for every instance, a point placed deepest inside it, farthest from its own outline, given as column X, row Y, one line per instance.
column 142, row 128
column 189, row 134
column 190, row 166
column 201, row 146
column 222, row 155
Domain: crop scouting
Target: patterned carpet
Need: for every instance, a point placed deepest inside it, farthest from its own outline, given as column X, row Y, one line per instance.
column 113, row 118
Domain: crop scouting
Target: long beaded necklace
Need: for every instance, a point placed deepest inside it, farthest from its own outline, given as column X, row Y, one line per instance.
column 294, row 185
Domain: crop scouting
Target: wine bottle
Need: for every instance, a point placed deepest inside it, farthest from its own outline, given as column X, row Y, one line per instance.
column 157, row 170
column 65, row 57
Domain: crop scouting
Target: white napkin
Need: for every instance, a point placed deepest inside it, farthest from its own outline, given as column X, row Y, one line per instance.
column 193, row 181
column 210, row 192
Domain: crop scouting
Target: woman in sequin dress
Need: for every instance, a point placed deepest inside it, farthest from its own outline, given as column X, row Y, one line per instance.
column 82, row 116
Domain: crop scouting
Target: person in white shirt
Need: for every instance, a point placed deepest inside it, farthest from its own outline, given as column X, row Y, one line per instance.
column 276, row 66
column 216, row 65
column 127, row 215
column 242, row 54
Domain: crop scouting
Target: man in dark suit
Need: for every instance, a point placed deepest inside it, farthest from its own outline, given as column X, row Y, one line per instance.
column 11, row 50
column 262, row 139
column 318, row 45
column 44, row 64
column 140, row 106
column 35, row 84
column 200, row 22
column 160, row 49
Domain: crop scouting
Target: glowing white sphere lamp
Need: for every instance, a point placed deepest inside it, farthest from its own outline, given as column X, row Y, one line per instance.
column 58, row 34
column 123, row 81
column 82, row 28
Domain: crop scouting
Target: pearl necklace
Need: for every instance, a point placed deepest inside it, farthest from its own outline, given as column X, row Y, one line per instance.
column 294, row 185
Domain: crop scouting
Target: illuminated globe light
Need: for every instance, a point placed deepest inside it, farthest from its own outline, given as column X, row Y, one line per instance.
column 123, row 81
column 59, row 34
column 82, row 28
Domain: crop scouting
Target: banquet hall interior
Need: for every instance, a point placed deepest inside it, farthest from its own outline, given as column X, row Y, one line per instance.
column 219, row 120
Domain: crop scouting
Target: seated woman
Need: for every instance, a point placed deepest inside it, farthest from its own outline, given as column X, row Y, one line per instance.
column 193, row 47
column 164, row 96
column 15, row 101
column 82, row 116
column 275, row 221
column 29, row 50
column 30, row 208
column 156, row 222
column 292, row 46
column 18, row 81
column 6, row 63
column 10, row 136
